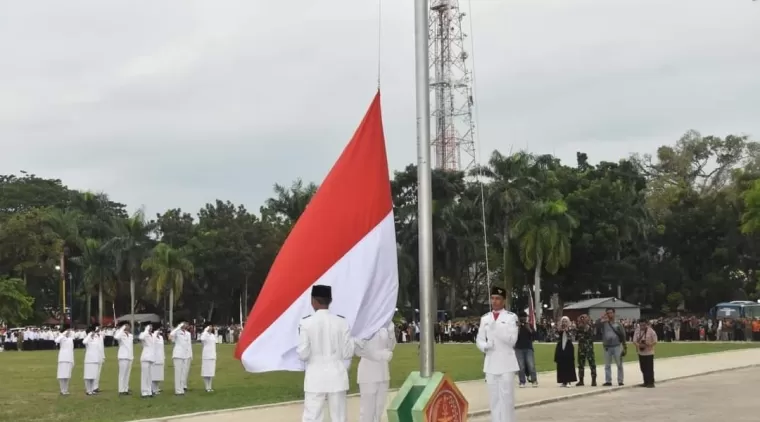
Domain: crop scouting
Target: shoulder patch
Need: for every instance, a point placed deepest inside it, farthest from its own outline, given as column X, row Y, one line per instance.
column 307, row 316
column 341, row 316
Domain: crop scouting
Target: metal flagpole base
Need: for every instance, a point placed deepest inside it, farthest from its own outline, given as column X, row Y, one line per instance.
column 431, row 399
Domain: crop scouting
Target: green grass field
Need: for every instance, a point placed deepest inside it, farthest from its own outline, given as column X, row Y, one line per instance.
column 29, row 390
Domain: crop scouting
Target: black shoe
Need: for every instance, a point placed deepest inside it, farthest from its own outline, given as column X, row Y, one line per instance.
column 649, row 386
column 620, row 384
column 607, row 384
column 593, row 380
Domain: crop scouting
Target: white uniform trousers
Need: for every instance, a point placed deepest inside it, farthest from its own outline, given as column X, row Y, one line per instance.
column 146, row 382
column 96, row 383
column 125, row 370
column 186, row 375
column 501, row 391
column 314, row 404
column 372, row 401
column 180, row 373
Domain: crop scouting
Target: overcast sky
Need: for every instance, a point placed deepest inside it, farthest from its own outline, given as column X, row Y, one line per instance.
column 176, row 103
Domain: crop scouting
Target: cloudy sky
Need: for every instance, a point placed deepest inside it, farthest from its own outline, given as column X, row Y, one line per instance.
column 175, row 103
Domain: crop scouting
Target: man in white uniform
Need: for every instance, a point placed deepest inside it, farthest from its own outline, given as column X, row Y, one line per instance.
column 101, row 346
column 125, row 355
column 147, row 357
column 325, row 345
column 496, row 338
column 373, row 373
column 181, row 356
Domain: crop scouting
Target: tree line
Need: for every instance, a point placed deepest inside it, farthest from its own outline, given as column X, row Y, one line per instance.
column 673, row 231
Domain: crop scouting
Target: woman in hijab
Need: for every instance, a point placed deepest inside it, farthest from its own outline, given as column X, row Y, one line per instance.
column 564, row 355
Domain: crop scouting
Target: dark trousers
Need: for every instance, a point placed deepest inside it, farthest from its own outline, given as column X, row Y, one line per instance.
column 646, row 364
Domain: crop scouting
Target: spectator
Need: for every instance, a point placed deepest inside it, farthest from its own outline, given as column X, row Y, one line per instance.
column 645, row 339
column 613, row 341
column 524, row 352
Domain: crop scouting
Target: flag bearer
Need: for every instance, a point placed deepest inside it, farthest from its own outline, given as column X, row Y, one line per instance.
column 496, row 338
column 325, row 345
column 373, row 373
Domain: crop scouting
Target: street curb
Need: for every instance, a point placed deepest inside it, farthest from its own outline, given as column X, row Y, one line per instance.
column 607, row 390
column 473, row 413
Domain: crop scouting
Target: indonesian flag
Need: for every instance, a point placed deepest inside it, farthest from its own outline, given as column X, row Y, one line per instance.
column 345, row 239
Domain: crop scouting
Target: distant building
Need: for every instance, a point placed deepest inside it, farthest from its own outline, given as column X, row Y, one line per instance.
column 595, row 308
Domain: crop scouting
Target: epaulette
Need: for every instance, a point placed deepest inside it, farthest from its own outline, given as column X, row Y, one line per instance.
column 341, row 316
column 307, row 316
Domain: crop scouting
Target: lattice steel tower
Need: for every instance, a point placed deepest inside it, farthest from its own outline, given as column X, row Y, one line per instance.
column 452, row 125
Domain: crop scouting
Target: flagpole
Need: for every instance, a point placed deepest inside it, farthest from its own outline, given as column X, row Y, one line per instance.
column 424, row 188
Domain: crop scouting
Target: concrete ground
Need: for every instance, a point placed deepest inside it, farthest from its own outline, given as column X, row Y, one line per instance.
column 706, row 398
column 477, row 395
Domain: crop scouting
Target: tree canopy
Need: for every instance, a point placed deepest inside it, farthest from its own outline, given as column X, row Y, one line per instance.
column 676, row 230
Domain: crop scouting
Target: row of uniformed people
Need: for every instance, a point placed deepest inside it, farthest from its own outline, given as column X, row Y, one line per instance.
column 325, row 344
column 152, row 358
column 44, row 339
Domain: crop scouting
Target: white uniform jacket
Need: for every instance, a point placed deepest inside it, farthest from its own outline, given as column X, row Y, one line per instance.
column 148, row 352
column 497, row 338
column 126, row 344
column 325, row 344
column 183, row 345
column 376, row 353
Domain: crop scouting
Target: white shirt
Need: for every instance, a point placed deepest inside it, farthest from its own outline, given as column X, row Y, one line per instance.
column 126, row 344
column 92, row 352
column 148, row 353
column 159, row 356
column 497, row 338
column 183, row 344
column 376, row 353
column 325, row 344
column 208, row 339
column 66, row 350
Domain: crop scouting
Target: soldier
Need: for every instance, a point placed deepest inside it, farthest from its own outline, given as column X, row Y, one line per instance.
column 585, row 337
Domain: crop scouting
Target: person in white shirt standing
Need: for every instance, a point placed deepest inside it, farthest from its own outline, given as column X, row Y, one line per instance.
column 496, row 338
column 157, row 370
column 99, row 338
column 125, row 355
column 373, row 374
column 208, row 356
column 65, row 342
column 92, row 356
column 181, row 356
column 325, row 345
column 147, row 357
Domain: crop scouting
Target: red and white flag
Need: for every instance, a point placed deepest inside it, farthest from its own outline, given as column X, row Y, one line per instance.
column 346, row 239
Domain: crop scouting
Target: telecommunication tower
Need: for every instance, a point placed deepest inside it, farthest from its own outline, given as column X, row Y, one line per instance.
column 451, row 120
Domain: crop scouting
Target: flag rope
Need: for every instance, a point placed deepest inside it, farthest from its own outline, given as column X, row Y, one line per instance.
column 476, row 139
column 379, row 39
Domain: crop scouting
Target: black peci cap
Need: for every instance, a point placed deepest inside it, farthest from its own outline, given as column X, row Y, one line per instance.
column 321, row 291
column 495, row 290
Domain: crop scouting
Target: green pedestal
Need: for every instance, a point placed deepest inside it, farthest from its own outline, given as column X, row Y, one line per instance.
column 431, row 399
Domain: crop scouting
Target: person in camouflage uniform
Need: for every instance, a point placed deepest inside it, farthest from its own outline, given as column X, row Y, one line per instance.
column 585, row 337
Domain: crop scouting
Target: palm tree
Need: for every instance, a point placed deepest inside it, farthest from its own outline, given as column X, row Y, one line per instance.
column 168, row 268
column 511, row 186
column 129, row 246
column 65, row 224
column 98, row 270
column 543, row 232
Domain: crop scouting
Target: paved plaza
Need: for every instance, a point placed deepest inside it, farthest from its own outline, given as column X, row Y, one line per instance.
column 706, row 398
column 548, row 392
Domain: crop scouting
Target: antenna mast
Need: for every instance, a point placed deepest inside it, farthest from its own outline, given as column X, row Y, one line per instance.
column 451, row 118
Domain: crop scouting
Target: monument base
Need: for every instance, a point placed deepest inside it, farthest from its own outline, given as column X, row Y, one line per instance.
column 434, row 399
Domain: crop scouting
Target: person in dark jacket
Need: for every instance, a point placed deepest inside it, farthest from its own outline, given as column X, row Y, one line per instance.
column 564, row 355
column 524, row 352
